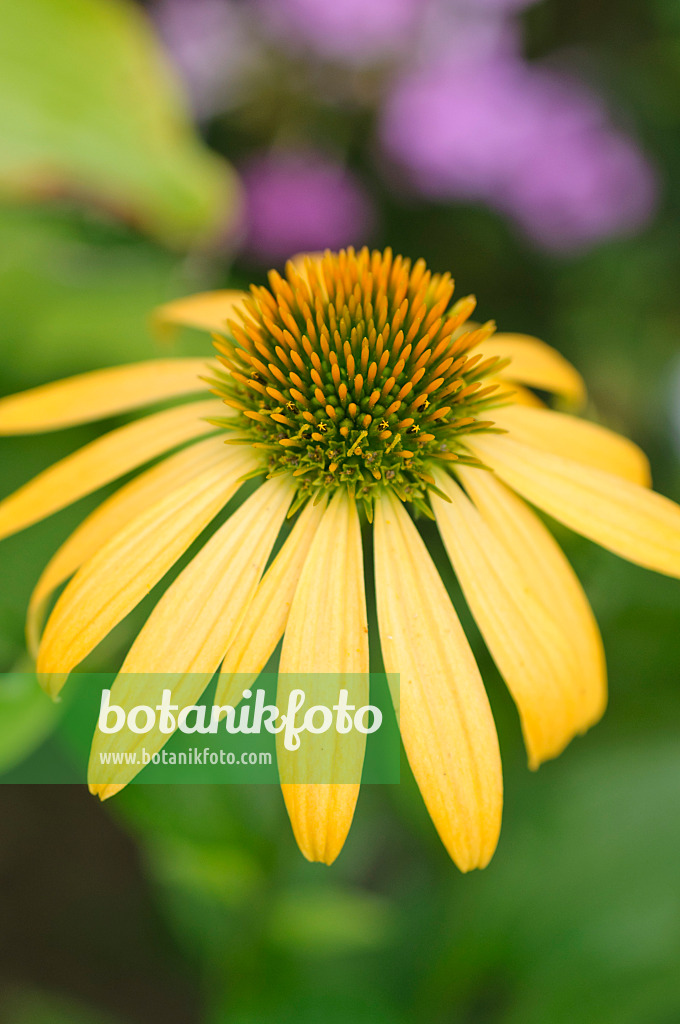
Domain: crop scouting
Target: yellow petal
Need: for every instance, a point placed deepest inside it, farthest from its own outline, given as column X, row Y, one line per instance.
column 104, row 460
column 111, row 516
column 191, row 627
column 128, row 691
column 105, row 791
column 629, row 520
column 445, row 719
column 266, row 620
column 101, row 393
column 536, row 364
column 193, row 624
column 107, row 587
column 207, row 311
column 327, row 632
column 548, row 572
column 508, row 391
column 576, row 439
column 533, row 654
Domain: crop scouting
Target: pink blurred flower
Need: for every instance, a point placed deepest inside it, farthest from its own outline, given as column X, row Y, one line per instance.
column 582, row 188
column 355, row 31
column 530, row 142
column 301, row 201
column 209, row 44
column 496, row 6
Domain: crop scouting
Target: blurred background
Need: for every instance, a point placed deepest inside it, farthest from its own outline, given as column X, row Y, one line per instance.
column 151, row 150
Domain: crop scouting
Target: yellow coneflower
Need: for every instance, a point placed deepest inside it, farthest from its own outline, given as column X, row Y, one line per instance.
column 352, row 390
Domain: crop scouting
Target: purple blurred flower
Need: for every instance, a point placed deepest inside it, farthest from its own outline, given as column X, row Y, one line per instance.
column 579, row 189
column 299, row 201
column 467, row 30
column 210, row 47
column 454, row 129
column 358, row 31
column 496, row 6
column 355, row 31
column 528, row 141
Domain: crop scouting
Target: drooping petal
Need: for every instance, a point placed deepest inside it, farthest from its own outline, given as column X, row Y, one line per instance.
column 104, row 460
column 508, row 391
column 327, row 633
column 191, row 627
column 107, row 587
column 207, row 311
column 576, row 439
column 196, row 619
column 533, row 654
column 548, row 572
column 99, row 394
column 445, row 719
column 265, row 623
column 536, row 364
column 111, row 516
column 629, row 520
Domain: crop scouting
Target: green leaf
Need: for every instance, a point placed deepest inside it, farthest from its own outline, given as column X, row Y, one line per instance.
column 73, row 298
column 89, row 108
column 27, row 716
column 329, row 920
column 221, row 874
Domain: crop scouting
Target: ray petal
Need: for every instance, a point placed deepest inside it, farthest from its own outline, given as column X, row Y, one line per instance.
column 108, row 586
column 111, row 516
column 533, row 654
column 509, row 391
column 445, row 719
column 207, row 311
column 327, row 633
column 104, row 460
column 536, row 364
column 191, row 627
column 99, row 394
column 576, row 439
column 629, row 520
column 543, row 563
column 265, row 623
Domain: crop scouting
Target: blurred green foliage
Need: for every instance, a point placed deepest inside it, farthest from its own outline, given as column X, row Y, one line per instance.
column 88, row 107
column 577, row 919
column 27, row 716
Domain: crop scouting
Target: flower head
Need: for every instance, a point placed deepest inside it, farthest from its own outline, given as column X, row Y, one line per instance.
column 320, row 381
column 346, row 373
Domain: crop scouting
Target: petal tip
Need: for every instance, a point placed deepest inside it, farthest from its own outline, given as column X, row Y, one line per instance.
column 51, row 682
column 105, row 790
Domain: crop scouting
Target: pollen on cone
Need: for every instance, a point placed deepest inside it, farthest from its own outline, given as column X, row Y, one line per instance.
column 350, row 371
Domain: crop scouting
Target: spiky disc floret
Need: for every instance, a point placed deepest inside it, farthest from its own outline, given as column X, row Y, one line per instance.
column 354, row 370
